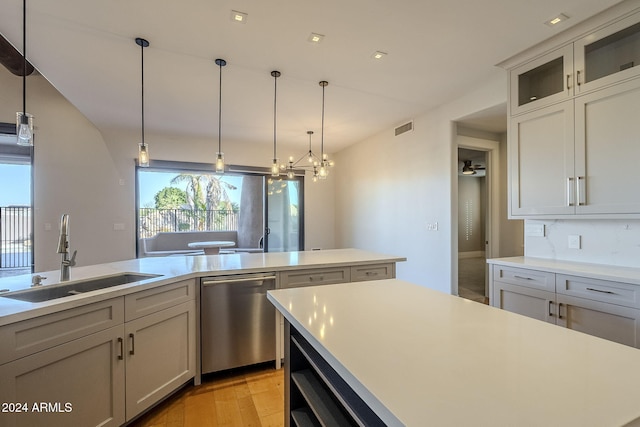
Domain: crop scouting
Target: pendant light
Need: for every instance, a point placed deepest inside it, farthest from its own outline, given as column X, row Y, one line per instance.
column 220, row 155
column 275, row 167
column 308, row 161
column 143, row 148
column 24, row 120
column 325, row 163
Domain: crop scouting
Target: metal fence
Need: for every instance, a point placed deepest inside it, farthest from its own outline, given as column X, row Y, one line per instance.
column 152, row 221
column 15, row 236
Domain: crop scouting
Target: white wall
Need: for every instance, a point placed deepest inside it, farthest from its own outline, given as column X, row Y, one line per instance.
column 90, row 175
column 615, row 242
column 391, row 187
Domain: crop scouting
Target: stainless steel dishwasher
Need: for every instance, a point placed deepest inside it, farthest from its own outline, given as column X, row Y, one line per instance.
column 238, row 325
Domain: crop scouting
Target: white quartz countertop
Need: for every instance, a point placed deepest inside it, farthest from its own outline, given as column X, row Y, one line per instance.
column 172, row 269
column 417, row 356
column 595, row 271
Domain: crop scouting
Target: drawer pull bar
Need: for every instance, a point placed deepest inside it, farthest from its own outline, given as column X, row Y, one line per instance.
column 559, row 310
column 522, row 277
column 601, row 291
column 550, row 311
column 121, row 345
column 133, row 344
column 371, row 273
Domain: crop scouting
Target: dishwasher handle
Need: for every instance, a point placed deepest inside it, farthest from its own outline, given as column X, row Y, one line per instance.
column 221, row 281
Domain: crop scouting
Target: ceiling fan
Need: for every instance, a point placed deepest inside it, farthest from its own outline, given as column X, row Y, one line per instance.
column 470, row 169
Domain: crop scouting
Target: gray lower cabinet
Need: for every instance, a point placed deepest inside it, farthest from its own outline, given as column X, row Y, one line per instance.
column 78, row 369
column 80, row 383
column 606, row 309
column 160, row 355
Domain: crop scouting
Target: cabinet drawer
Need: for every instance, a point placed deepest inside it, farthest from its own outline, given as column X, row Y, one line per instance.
column 156, row 299
column 312, row 277
column 30, row 336
column 372, row 272
column 524, row 277
column 624, row 294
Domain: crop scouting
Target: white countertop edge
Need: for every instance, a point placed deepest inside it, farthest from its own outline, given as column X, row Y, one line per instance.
column 371, row 400
column 595, row 271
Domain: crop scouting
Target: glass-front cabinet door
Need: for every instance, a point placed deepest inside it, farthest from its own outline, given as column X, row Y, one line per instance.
column 543, row 81
column 609, row 55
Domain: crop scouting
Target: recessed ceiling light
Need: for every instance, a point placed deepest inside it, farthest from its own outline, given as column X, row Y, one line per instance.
column 239, row 17
column 315, row 38
column 378, row 55
column 556, row 20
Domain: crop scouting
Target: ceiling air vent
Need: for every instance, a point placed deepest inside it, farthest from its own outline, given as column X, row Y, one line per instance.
column 404, row 128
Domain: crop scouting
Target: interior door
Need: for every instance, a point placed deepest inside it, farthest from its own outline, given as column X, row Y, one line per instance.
column 284, row 214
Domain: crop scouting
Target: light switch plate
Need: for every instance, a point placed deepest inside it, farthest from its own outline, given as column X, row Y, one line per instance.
column 534, row 230
column 574, row 241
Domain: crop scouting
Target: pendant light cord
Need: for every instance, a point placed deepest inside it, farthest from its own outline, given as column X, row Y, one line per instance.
column 142, row 85
column 24, row 57
column 275, row 96
column 220, row 111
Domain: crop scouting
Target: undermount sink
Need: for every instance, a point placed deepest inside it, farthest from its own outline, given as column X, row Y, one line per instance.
column 49, row 292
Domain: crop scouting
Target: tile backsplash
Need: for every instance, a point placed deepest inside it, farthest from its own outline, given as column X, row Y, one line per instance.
column 614, row 242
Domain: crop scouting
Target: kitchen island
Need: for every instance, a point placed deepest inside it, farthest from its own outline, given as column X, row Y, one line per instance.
column 401, row 354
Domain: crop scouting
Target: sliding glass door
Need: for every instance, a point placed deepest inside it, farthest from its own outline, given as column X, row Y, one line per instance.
column 284, row 214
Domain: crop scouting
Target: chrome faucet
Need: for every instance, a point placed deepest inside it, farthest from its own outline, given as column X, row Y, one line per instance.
column 63, row 248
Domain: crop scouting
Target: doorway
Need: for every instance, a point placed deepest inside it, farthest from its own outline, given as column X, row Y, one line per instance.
column 472, row 224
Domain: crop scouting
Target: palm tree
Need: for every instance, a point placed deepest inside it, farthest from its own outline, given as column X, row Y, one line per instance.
column 205, row 192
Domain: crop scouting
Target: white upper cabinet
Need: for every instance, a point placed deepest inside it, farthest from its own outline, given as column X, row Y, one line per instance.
column 542, row 81
column 607, row 147
column 609, row 55
column 574, row 128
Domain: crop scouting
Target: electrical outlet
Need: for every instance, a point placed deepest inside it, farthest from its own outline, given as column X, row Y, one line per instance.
column 432, row 226
column 574, row 241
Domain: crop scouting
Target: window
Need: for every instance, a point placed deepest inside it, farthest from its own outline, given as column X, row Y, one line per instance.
column 179, row 197
column 16, row 235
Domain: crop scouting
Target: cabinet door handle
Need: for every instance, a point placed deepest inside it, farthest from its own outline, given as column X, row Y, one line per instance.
column 559, row 310
column 601, row 291
column 580, row 182
column 550, row 311
column 121, row 345
column 522, row 277
column 578, row 77
column 570, row 201
column 133, row 344
column 568, row 81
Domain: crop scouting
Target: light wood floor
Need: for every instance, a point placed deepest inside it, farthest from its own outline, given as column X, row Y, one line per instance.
column 249, row 397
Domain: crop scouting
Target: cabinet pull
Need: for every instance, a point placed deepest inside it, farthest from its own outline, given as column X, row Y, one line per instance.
column 601, row 291
column 522, row 277
column 121, row 345
column 320, row 278
column 559, row 310
column 133, row 344
column 569, row 191
column 580, row 190
column 550, row 311
column 568, row 81
column 371, row 273
column 578, row 77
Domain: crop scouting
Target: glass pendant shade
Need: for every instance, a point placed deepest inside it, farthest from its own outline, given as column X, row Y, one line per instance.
column 275, row 168
column 143, row 155
column 220, row 163
column 24, row 129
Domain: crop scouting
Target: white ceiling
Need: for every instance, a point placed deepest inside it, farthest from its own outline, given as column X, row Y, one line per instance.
column 437, row 50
